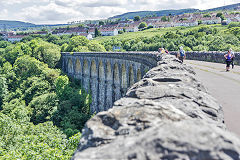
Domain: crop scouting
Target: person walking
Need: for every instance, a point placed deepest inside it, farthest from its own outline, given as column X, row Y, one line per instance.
column 181, row 54
column 161, row 50
column 233, row 56
column 228, row 58
column 166, row 51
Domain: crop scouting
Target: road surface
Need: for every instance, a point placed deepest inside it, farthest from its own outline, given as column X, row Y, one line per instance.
column 224, row 86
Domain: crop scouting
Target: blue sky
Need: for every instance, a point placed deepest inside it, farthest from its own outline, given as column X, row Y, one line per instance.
column 63, row 11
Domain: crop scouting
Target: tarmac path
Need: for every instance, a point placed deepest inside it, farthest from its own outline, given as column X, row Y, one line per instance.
column 224, row 86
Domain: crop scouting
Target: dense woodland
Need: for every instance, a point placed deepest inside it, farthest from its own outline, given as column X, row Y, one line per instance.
column 42, row 111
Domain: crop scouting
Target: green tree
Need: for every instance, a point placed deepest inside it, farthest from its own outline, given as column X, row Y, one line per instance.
column 142, row 25
column 27, row 66
column 81, row 49
column 97, row 32
column 199, row 22
column 52, row 38
column 12, row 52
column 101, row 23
column 61, row 84
column 49, row 54
column 137, row 18
column 29, row 141
column 222, row 17
column 120, row 32
column 207, row 15
column 43, row 107
column 17, row 110
column 96, row 47
column 165, row 18
column 46, row 52
column 33, row 87
column 4, row 44
column 219, row 14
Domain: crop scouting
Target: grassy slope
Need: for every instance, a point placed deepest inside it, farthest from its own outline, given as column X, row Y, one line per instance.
column 153, row 32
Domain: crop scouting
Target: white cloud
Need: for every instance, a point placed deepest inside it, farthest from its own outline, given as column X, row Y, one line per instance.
column 3, row 14
column 63, row 11
column 50, row 13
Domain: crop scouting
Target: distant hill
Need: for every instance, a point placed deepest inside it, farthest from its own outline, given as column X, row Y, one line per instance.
column 227, row 7
column 22, row 25
column 131, row 15
column 14, row 24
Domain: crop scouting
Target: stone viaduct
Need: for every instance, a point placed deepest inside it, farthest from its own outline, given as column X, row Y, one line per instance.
column 107, row 75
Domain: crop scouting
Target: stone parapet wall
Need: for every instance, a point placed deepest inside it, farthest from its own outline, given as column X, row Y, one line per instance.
column 167, row 115
column 214, row 56
column 108, row 75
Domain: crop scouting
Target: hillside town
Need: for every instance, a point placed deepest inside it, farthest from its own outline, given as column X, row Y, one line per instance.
column 118, row 26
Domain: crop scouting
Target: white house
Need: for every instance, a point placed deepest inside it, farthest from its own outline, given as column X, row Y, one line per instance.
column 91, row 31
column 108, row 31
column 161, row 24
column 15, row 38
column 87, row 35
column 151, row 19
column 185, row 23
column 41, row 32
column 211, row 20
column 232, row 18
column 70, row 31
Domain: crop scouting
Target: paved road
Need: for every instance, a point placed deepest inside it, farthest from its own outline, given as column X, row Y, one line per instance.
column 224, row 86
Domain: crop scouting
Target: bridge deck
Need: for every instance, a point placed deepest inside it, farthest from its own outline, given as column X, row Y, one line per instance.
column 224, row 86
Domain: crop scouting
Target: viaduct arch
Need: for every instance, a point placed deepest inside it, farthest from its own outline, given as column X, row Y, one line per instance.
column 108, row 75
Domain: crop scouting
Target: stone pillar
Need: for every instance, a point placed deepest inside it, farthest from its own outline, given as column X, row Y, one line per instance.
column 101, row 86
column 94, row 94
column 135, row 69
column 86, row 76
column 78, row 69
column 109, row 94
column 124, row 80
column 109, row 86
column 70, row 67
column 116, row 83
column 131, row 76
column 94, row 87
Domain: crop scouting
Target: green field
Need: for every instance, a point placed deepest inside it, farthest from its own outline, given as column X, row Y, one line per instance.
column 198, row 38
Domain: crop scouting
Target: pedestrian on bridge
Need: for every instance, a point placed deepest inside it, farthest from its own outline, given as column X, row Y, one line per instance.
column 161, row 50
column 233, row 56
column 166, row 51
column 181, row 54
column 228, row 58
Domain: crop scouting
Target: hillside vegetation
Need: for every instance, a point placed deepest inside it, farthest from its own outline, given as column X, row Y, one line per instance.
column 42, row 111
column 199, row 38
